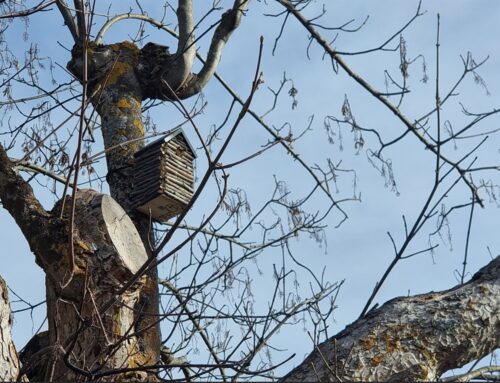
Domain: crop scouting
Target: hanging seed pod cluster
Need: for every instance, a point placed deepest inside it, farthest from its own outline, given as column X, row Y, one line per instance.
column 164, row 176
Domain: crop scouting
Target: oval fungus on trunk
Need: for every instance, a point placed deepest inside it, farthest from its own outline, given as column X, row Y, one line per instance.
column 123, row 234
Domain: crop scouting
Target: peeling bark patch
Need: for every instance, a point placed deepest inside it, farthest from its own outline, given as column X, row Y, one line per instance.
column 376, row 360
column 392, row 345
column 369, row 342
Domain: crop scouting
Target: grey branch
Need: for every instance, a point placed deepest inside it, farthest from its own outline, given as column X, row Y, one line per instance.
column 135, row 16
column 29, row 167
column 23, row 13
column 68, row 19
column 186, row 49
column 9, row 362
column 379, row 96
column 414, row 338
column 475, row 374
column 80, row 18
column 230, row 20
column 199, row 328
column 18, row 199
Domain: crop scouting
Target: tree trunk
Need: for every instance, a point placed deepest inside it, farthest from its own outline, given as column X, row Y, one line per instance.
column 96, row 329
column 9, row 361
column 117, row 96
column 413, row 338
column 86, row 339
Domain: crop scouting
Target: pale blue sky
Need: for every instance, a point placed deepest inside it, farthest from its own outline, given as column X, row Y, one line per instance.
column 360, row 250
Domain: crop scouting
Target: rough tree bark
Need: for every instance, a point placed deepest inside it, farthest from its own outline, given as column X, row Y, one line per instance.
column 9, row 361
column 413, row 338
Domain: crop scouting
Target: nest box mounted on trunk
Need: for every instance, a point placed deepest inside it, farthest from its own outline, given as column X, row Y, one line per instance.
column 164, row 176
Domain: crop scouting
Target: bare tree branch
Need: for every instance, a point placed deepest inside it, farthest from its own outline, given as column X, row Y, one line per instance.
column 230, row 20
column 28, row 167
column 9, row 361
column 216, row 260
column 411, row 127
column 135, row 16
column 80, row 18
column 196, row 323
column 18, row 199
column 68, row 19
column 472, row 374
column 186, row 49
column 37, row 8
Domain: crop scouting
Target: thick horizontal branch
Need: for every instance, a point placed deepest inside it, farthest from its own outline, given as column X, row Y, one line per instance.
column 28, row 167
column 414, row 338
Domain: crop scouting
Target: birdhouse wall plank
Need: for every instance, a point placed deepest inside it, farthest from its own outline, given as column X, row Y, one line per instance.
column 183, row 199
column 179, row 145
column 142, row 164
column 153, row 154
column 149, row 159
column 143, row 195
column 182, row 195
column 145, row 190
column 179, row 156
column 141, row 187
column 177, row 166
column 174, row 183
column 141, row 191
column 179, row 174
column 179, row 148
column 178, row 162
column 181, row 160
column 147, row 171
column 148, row 174
column 156, row 159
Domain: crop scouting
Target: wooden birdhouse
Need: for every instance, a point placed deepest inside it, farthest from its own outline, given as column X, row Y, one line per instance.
column 164, row 176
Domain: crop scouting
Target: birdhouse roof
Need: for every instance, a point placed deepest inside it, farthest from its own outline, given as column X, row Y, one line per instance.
column 167, row 137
